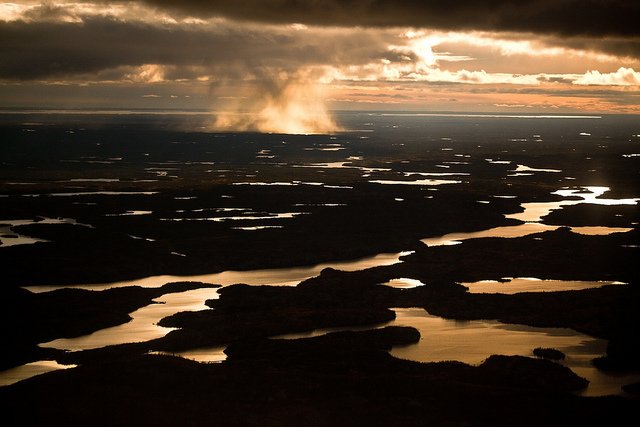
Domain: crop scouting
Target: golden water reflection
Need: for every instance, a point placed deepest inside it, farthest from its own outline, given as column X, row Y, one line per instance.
column 203, row 355
column 143, row 326
column 534, row 213
column 403, row 283
column 515, row 285
column 11, row 376
column 442, row 339
column 273, row 276
column 473, row 341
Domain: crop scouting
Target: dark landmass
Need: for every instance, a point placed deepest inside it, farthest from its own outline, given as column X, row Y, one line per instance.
column 209, row 246
column 609, row 312
column 69, row 313
column 337, row 298
column 548, row 353
column 559, row 254
column 338, row 379
column 632, row 388
column 345, row 378
column 194, row 174
column 623, row 351
column 596, row 215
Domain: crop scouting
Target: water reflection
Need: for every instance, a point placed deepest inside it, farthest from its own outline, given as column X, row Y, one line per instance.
column 283, row 183
column 11, row 376
column 416, row 182
column 473, row 341
column 246, row 217
column 143, row 326
column 532, row 284
column 523, row 168
column 95, row 193
column 90, row 180
column 506, row 232
column 257, row 227
column 533, row 214
column 131, row 213
column 274, row 276
column 408, row 174
column 8, row 237
column 203, row 355
column 403, row 283
column 442, row 339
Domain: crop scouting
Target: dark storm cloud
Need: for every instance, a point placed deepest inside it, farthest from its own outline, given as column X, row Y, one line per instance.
column 33, row 50
column 564, row 17
column 612, row 45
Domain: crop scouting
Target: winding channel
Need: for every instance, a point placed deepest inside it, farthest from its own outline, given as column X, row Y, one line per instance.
column 442, row 339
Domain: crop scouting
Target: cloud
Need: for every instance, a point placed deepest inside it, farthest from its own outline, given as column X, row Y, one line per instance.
column 586, row 25
column 608, row 26
column 148, row 73
column 274, row 58
column 85, row 41
column 566, row 17
column 54, row 49
column 622, row 47
column 622, row 77
column 38, row 50
column 224, row 53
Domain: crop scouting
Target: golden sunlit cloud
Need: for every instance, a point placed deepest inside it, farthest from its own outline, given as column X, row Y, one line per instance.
column 513, row 46
column 148, row 73
column 622, row 77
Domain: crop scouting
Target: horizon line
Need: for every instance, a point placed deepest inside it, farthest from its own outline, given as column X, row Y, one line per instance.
column 390, row 113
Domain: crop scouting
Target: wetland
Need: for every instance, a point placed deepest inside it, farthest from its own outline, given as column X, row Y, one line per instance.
column 390, row 279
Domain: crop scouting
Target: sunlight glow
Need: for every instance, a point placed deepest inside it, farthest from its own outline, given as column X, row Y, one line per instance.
column 292, row 106
column 11, row 11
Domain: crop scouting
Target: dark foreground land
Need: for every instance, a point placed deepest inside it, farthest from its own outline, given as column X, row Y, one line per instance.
column 183, row 225
column 341, row 379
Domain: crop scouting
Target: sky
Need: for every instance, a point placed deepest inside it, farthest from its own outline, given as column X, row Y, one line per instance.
column 295, row 61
